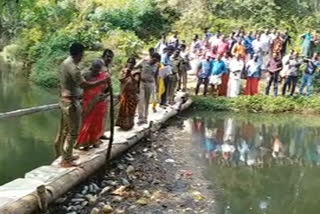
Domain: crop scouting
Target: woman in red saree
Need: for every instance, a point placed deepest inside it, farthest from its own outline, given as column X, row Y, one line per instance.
column 94, row 107
column 128, row 97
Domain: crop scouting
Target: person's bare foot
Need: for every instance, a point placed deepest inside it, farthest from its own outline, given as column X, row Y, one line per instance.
column 68, row 164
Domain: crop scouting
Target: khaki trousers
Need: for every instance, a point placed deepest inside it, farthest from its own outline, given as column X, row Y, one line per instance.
column 69, row 128
column 173, row 81
column 146, row 90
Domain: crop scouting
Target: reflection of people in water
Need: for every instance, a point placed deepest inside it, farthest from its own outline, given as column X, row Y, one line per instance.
column 231, row 142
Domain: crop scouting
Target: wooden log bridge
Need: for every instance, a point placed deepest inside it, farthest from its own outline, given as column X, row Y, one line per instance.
column 45, row 184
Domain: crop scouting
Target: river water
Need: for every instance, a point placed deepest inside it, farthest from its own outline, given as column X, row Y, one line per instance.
column 25, row 142
column 259, row 163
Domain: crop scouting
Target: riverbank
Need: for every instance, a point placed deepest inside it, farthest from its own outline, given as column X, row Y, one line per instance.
column 155, row 176
column 261, row 104
column 20, row 196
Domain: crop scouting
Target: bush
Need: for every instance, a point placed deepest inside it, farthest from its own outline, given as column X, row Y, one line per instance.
column 262, row 104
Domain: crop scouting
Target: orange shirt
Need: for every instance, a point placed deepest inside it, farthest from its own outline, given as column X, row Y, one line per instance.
column 239, row 49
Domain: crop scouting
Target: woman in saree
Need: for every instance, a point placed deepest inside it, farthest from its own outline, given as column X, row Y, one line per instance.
column 94, row 107
column 128, row 97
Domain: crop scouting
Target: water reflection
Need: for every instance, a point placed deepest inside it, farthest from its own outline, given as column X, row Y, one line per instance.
column 260, row 164
column 26, row 142
column 232, row 142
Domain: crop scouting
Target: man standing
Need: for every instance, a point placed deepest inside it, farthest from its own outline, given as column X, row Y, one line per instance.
column 257, row 45
column 70, row 83
column 292, row 76
column 162, row 44
column 218, row 69
column 277, row 45
column 274, row 66
column 183, row 75
column 203, row 74
column 236, row 68
column 149, row 76
column 286, row 42
column 253, row 68
column 177, row 66
column 312, row 65
column 107, row 58
column 266, row 42
column 166, row 62
column 223, row 46
column 174, row 40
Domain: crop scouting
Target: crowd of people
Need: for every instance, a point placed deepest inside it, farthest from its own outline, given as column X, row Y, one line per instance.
column 221, row 62
column 231, row 142
column 84, row 95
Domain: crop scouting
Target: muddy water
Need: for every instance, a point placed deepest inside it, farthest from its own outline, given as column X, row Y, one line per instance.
column 259, row 163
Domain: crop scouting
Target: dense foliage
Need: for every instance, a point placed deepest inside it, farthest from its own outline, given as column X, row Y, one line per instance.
column 42, row 30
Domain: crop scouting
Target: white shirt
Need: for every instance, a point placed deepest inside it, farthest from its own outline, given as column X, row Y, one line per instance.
column 214, row 41
column 236, row 67
column 266, row 41
column 257, row 46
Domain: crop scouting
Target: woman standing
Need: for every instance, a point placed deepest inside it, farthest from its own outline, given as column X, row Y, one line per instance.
column 254, row 73
column 306, row 44
column 128, row 97
column 94, row 108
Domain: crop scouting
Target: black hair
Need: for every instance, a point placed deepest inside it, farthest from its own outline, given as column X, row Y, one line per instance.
column 76, row 49
column 151, row 49
column 156, row 56
column 183, row 46
column 107, row 51
column 131, row 59
column 171, row 47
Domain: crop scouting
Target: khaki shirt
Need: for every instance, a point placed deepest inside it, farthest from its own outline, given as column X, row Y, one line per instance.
column 148, row 71
column 70, row 78
column 177, row 64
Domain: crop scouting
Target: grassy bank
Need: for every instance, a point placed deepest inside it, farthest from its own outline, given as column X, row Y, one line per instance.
column 263, row 104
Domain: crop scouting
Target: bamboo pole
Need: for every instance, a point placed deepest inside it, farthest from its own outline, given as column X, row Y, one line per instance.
column 38, row 109
column 28, row 111
column 111, row 124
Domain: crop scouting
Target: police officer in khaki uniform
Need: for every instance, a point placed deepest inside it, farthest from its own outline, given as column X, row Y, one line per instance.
column 71, row 82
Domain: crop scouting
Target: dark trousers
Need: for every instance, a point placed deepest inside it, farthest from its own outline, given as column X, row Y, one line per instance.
column 274, row 78
column 165, row 94
column 292, row 80
column 201, row 81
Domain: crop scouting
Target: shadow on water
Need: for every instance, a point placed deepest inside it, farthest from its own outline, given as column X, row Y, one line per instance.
column 26, row 142
column 262, row 163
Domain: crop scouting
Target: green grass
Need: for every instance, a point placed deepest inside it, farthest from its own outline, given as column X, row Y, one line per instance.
column 263, row 104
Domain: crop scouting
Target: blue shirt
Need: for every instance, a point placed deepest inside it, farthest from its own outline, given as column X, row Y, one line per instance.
column 254, row 69
column 165, row 60
column 218, row 67
column 205, row 69
column 248, row 45
column 312, row 67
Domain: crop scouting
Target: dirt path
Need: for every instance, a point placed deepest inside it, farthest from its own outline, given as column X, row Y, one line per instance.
column 155, row 177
